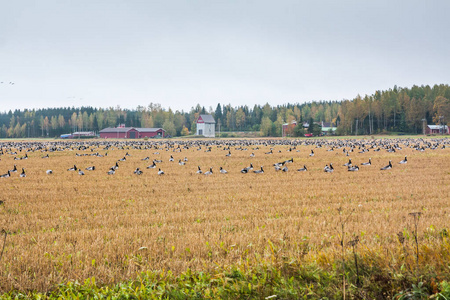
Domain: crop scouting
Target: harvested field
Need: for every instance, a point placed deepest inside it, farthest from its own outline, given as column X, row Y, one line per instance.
column 66, row 227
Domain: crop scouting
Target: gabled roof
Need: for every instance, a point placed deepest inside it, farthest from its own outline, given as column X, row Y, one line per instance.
column 437, row 127
column 148, row 129
column 115, row 130
column 207, row 118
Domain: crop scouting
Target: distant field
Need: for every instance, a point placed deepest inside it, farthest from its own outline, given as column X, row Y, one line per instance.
column 66, row 227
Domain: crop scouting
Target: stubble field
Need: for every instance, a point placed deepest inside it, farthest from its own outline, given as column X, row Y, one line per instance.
column 66, row 227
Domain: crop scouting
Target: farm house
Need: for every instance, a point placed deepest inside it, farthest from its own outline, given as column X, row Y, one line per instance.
column 131, row 133
column 437, row 129
column 206, row 126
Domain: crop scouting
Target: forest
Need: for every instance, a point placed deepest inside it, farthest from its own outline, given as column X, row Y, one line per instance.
column 399, row 110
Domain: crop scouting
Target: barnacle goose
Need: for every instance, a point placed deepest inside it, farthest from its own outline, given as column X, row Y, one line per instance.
column 312, row 153
column 199, row 171
column 92, row 168
column 329, row 169
column 223, row 171
column 259, row 171
column 160, row 172
column 73, row 169
column 80, row 172
column 367, row 163
column 209, row 172
column 8, row 174
column 152, row 166
column 304, row 169
column 389, row 166
column 404, row 161
column 353, row 169
column 14, row 170
column 138, row 171
column 48, row 172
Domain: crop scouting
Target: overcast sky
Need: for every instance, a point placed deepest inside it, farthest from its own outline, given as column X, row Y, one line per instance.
column 180, row 53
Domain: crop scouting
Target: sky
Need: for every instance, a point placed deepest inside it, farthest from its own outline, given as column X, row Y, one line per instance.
column 179, row 53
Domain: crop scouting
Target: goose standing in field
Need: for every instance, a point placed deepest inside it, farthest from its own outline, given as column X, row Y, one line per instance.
column 388, row 167
column 185, row 159
column 181, row 163
column 92, row 168
column 49, row 172
column 209, row 172
column 252, row 155
column 8, row 174
column 138, row 171
column 45, row 156
column 146, row 158
column 285, row 169
column 14, row 170
column 223, row 171
column 328, row 169
column 123, row 159
column 74, row 168
column 199, row 171
column 349, row 163
column 259, row 171
column 304, row 169
column 228, row 154
column 404, row 161
column 270, row 152
column 152, row 166
column 312, row 153
column 367, row 163
column 171, row 158
column 80, row 172
column 23, row 173
column 160, row 172
column 112, row 171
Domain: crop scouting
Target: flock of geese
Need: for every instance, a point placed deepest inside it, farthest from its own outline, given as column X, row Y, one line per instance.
column 229, row 146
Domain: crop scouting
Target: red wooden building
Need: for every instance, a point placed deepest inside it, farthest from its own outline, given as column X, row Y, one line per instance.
column 437, row 129
column 131, row 133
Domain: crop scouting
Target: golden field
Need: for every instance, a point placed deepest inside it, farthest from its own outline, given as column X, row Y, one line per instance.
column 66, row 227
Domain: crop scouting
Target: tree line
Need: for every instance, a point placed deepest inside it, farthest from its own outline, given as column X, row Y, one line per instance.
column 403, row 110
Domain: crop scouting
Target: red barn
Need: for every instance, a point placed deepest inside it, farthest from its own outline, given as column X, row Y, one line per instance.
column 131, row 133
column 151, row 132
column 437, row 129
column 119, row 133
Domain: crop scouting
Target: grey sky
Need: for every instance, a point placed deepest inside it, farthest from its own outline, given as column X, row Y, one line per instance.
column 180, row 53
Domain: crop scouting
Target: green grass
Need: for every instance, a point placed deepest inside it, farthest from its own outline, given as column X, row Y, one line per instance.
column 288, row 281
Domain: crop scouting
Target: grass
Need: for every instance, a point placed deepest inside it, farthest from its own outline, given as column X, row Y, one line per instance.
column 277, row 231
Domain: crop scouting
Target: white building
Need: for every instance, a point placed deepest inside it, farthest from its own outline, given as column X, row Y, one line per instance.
column 206, row 126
